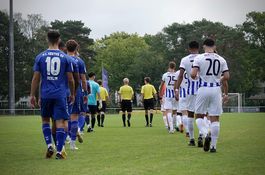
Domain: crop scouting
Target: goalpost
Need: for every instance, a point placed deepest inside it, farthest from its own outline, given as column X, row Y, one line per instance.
column 235, row 103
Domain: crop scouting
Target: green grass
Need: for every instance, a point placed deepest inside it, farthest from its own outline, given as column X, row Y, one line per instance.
column 136, row 150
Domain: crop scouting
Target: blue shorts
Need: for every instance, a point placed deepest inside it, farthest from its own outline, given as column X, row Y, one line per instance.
column 55, row 108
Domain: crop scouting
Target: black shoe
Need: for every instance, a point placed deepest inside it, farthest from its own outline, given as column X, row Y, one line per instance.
column 102, row 125
column 207, row 142
column 128, row 122
column 88, row 129
column 59, row 156
column 98, row 125
column 177, row 129
column 192, row 142
column 200, row 142
column 150, row 125
column 146, row 125
column 187, row 134
column 212, row 150
column 50, row 152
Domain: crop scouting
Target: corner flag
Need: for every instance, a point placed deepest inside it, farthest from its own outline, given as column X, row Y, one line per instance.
column 105, row 78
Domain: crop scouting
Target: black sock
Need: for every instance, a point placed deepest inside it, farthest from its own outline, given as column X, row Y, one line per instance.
column 129, row 116
column 146, row 119
column 151, row 118
column 123, row 119
column 93, row 121
column 98, row 119
column 102, row 118
column 87, row 120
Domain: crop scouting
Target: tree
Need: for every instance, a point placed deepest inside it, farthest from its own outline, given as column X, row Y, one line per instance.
column 22, row 59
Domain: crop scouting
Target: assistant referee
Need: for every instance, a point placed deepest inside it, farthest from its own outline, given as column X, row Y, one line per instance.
column 126, row 96
column 148, row 92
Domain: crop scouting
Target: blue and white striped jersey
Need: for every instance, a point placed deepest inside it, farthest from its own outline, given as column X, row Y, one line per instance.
column 170, row 78
column 186, row 64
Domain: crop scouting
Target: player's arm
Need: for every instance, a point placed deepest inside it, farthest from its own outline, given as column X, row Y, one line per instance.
column 224, row 80
column 154, row 93
column 178, row 82
column 34, row 85
column 106, row 95
column 83, row 79
column 76, row 79
column 160, row 88
column 71, row 84
column 142, row 93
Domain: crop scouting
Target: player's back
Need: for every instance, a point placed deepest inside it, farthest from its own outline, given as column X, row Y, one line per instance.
column 94, row 89
column 211, row 67
column 126, row 92
column 53, row 65
column 169, row 78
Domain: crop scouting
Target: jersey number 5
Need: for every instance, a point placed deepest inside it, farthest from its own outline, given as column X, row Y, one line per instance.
column 214, row 67
column 53, row 66
column 171, row 80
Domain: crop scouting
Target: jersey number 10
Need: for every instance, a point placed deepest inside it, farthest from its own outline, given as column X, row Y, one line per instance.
column 53, row 66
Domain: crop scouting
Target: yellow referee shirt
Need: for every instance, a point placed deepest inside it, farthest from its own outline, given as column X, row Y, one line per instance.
column 126, row 92
column 148, row 91
column 103, row 93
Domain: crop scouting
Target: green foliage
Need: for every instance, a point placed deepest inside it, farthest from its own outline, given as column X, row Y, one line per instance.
column 136, row 150
column 125, row 55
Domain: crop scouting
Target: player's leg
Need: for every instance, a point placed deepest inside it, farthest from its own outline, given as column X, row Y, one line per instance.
column 164, row 114
column 46, row 113
column 174, row 120
column 169, row 106
column 123, row 109
column 190, row 119
column 129, row 113
column 202, row 128
column 179, row 122
column 102, row 113
column 151, row 107
column 74, row 123
column 54, row 131
column 93, row 116
column 98, row 114
column 146, row 112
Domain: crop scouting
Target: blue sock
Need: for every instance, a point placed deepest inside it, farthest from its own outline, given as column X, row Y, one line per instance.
column 74, row 129
column 65, row 135
column 81, row 122
column 60, row 134
column 47, row 133
column 69, row 128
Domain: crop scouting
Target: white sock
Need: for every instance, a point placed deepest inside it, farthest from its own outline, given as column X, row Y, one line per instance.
column 185, row 122
column 170, row 121
column 174, row 120
column 190, row 127
column 215, row 129
column 165, row 121
column 179, row 121
column 201, row 126
column 207, row 123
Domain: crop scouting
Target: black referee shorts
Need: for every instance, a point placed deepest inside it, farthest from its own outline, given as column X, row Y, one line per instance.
column 126, row 105
column 149, row 104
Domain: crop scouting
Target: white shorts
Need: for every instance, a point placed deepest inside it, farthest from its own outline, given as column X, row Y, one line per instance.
column 183, row 104
column 171, row 103
column 191, row 99
column 209, row 99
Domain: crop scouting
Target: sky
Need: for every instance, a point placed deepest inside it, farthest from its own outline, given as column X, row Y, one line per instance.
column 104, row 17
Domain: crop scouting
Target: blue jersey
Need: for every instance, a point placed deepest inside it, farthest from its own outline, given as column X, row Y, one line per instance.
column 81, row 70
column 53, row 66
column 94, row 89
column 75, row 70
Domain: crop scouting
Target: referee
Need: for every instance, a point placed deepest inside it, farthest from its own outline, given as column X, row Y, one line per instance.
column 148, row 92
column 126, row 96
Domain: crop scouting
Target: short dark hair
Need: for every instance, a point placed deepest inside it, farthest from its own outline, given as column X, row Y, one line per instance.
column 91, row 74
column 194, row 45
column 147, row 79
column 99, row 82
column 71, row 45
column 172, row 65
column 53, row 36
column 61, row 45
column 209, row 42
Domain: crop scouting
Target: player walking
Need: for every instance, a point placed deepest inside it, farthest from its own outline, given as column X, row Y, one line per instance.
column 54, row 68
column 148, row 92
column 192, row 86
column 210, row 66
column 170, row 103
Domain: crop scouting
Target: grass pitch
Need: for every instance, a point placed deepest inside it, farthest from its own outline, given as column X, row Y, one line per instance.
column 136, row 150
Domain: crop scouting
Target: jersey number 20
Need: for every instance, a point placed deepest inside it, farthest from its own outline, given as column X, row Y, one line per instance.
column 53, row 66
column 214, row 67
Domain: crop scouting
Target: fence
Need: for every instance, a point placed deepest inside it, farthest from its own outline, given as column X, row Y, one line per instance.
column 226, row 109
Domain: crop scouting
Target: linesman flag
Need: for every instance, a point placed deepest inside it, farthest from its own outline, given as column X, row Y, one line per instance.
column 105, row 78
